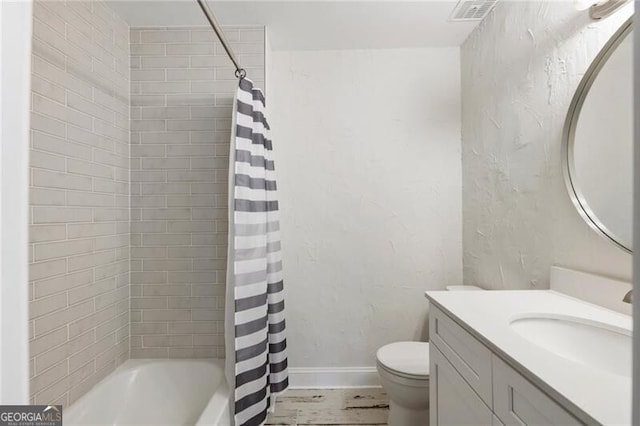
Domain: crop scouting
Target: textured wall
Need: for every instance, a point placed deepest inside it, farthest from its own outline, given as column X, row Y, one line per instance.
column 79, row 306
column 182, row 90
column 367, row 147
column 520, row 69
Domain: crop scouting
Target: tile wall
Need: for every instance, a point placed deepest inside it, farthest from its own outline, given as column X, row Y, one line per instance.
column 79, row 274
column 182, row 87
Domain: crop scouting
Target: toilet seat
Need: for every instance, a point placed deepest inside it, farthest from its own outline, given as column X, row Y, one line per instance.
column 405, row 359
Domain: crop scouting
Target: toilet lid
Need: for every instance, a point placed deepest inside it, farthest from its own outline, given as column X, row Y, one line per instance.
column 411, row 358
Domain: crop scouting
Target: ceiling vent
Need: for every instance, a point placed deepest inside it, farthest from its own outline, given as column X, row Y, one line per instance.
column 472, row 10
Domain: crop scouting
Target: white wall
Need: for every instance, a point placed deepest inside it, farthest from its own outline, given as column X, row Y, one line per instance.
column 520, row 69
column 15, row 63
column 368, row 162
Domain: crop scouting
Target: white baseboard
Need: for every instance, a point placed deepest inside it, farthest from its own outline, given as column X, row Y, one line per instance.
column 333, row 377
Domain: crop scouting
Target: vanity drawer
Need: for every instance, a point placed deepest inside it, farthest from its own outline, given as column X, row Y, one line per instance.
column 467, row 355
column 451, row 399
column 517, row 402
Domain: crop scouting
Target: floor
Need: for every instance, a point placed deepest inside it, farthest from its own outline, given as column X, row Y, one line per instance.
column 366, row 406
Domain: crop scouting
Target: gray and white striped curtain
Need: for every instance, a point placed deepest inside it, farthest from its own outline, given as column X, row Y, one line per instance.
column 255, row 325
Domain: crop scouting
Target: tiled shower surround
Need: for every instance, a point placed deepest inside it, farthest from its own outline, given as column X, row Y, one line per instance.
column 182, row 88
column 79, row 310
column 128, row 192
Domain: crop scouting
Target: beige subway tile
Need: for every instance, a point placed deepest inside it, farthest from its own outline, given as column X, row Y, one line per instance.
column 78, row 294
column 165, row 36
column 148, row 328
column 46, row 197
column 217, row 238
column 89, row 138
column 50, row 179
column 166, row 239
column 208, row 340
column 149, row 353
column 148, row 252
column 106, row 214
column 209, row 188
column 192, row 99
column 165, row 163
column 190, row 226
column 192, row 302
column 207, row 314
column 62, row 283
column 208, row 327
column 49, row 377
column 165, row 138
column 109, row 327
column 149, row 200
column 209, row 264
column 59, row 111
column 43, row 160
column 207, row 290
column 111, row 270
column 60, row 215
column 47, row 305
column 86, row 199
column 190, row 74
column 147, row 49
column 163, row 315
column 147, row 151
column 190, row 49
column 89, row 322
column 157, row 214
column 164, row 87
column 191, row 176
column 166, row 265
column 165, row 290
column 165, row 112
column 42, row 233
column 209, row 61
column 167, row 341
column 149, row 303
column 47, row 89
column 47, row 342
column 90, row 229
column 44, row 251
column 149, row 62
column 112, row 241
column 252, row 35
column 52, row 321
column 147, row 100
column 51, row 268
column 148, row 125
column 156, row 74
column 58, row 353
column 148, row 277
column 190, row 150
column 89, row 169
column 218, row 86
column 194, row 253
column 191, row 277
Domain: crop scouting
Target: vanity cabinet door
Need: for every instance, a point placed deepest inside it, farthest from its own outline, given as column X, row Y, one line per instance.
column 451, row 399
column 468, row 356
column 517, row 402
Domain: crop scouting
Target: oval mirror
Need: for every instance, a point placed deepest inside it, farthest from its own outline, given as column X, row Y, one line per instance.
column 598, row 141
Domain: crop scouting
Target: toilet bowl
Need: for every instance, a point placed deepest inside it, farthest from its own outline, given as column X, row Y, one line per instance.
column 403, row 368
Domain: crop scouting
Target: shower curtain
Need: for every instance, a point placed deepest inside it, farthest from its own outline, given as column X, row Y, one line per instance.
column 254, row 319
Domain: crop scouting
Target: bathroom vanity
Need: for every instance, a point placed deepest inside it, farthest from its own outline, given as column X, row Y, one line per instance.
column 535, row 357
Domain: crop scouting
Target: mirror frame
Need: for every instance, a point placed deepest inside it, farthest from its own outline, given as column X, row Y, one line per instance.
column 568, row 135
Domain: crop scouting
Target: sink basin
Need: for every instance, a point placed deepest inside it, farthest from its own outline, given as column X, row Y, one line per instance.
column 594, row 344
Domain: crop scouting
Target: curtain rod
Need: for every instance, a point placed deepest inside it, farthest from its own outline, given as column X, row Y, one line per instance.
column 240, row 72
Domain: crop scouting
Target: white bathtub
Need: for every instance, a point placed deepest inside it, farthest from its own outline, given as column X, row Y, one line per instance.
column 156, row 392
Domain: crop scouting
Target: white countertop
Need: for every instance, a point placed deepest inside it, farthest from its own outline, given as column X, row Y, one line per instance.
column 590, row 394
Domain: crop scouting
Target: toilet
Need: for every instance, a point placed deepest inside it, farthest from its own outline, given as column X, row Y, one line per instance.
column 403, row 368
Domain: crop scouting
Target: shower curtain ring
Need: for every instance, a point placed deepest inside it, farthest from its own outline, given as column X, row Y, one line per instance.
column 241, row 73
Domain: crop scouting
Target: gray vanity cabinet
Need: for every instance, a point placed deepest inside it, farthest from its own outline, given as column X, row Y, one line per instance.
column 470, row 385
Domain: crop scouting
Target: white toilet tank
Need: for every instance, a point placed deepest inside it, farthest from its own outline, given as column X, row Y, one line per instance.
column 463, row 288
